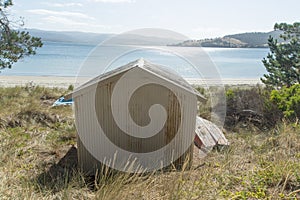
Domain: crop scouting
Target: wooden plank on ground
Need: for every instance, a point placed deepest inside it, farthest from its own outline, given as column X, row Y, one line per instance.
column 208, row 135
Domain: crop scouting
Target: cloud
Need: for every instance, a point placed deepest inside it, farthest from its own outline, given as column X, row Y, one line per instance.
column 60, row 5
column 206, row 32
column 67, row 22
column 114, row 1
column 61, row 20
column 60, row 13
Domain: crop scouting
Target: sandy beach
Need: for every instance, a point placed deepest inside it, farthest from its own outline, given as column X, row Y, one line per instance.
column 46, row 81
column 64, row 82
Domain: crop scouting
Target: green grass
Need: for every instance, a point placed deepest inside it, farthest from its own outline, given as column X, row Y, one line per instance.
column 37, row 160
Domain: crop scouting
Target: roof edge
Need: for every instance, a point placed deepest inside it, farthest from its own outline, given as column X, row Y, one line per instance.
column 140, row 63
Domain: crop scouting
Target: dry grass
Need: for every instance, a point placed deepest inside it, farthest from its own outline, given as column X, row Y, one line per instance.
column 38, row 160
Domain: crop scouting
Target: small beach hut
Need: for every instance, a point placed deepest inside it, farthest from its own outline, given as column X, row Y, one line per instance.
column 140, row 110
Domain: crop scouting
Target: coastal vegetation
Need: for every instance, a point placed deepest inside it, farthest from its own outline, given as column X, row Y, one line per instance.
column 38, row 155
column 283, row 67
column 283, row 61
column 14, row 44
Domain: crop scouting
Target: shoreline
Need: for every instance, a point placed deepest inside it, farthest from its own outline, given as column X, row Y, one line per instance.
column 46, row 81
column 65, row 82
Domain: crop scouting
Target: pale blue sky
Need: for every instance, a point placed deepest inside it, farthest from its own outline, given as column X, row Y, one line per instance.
column 194, row 18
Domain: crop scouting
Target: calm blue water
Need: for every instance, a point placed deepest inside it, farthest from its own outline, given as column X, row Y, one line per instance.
column 63, row 59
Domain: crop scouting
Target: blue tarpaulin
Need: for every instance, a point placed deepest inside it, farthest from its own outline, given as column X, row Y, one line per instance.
column 63, row 102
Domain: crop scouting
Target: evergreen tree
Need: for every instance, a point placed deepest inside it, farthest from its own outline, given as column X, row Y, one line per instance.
column 14, row 44
column 283, row 61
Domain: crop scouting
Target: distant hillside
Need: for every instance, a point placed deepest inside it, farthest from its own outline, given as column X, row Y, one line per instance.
column 96, row 38
column 254, row 39
column 242, row 40
column 69, row 36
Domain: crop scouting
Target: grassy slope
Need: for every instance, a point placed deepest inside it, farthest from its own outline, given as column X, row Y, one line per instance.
column 38, row 160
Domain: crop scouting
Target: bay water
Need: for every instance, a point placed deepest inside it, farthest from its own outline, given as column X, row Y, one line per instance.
column 66, row 59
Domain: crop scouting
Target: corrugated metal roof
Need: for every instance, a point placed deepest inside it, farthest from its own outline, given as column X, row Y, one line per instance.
column 157, row 70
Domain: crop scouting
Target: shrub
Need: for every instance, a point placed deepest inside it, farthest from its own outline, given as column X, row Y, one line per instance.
column 250, row 106
column 288, row 100
column 71, row 87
